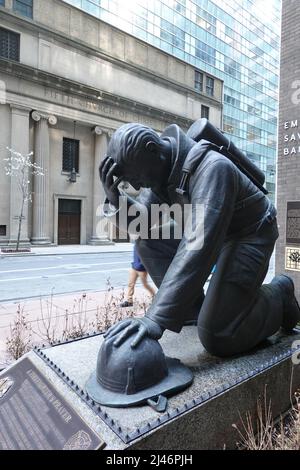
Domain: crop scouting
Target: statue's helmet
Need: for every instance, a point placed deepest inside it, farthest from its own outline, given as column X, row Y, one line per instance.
column 128, row 376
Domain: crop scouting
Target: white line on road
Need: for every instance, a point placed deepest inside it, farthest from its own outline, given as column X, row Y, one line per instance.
column 62, row 275
column 64, row 266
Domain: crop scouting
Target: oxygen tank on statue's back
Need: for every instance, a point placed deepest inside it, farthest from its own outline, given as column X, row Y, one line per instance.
column 203, row 129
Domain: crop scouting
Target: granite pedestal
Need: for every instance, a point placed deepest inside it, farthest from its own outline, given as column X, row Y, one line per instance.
column 202, row 416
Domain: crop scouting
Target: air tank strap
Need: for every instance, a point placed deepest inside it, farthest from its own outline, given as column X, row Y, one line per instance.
column 190, row 165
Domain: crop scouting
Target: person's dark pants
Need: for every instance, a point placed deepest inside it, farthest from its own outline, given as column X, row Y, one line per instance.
column 238, row 312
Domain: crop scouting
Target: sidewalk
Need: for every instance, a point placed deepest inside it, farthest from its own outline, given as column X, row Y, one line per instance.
column 48, row 315
column 74, row 250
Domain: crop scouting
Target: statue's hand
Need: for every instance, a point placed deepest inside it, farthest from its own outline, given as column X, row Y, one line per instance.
column 107, row 171
column 143, row 327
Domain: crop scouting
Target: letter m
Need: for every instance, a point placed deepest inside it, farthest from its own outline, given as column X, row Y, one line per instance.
column 163, row 218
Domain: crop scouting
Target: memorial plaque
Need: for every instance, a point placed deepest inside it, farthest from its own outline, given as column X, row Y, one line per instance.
column 292, row 258
column 293, row 223
column 33, row 415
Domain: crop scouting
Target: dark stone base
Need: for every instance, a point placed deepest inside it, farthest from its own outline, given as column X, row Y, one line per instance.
column 201, row 417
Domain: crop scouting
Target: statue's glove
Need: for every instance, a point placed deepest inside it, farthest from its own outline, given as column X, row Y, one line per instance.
column 107, row 171
column 143, row 327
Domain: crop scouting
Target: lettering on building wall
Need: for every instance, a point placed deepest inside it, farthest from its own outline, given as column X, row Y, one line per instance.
column 103, row 109
column 291, row 138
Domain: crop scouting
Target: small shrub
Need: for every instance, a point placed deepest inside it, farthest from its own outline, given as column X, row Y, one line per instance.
column 74, row 323
column 20, row 338
column 264, row 434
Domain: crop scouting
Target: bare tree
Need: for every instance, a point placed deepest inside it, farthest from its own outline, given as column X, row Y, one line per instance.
column 21, row 167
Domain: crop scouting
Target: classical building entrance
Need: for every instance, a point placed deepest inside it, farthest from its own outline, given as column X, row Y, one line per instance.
column 69, row 221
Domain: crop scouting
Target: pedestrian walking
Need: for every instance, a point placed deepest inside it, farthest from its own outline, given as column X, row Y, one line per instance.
column 136, row 272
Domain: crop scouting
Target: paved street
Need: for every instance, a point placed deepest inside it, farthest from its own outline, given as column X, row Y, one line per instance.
column 25, row 279
column 33, row 276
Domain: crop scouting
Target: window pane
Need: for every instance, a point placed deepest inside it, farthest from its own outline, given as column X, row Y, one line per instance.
column 9, row 45
column 205, row 111
column 24, row 7
column 198, row 81
column 3, row 230
column 172, row 34
column 210, row 86
column 69, row 206
column 70, row 155
column 232, row 68
column 180, row 6
column 205, row 52
column 232, row 126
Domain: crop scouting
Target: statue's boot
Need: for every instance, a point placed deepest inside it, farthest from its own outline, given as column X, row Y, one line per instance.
column 291, row 309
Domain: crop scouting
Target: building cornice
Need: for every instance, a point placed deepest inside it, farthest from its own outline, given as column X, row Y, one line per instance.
column 76, row 89
column 39, row 28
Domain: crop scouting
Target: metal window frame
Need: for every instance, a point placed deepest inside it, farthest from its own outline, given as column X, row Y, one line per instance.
column 70, row 140
column 206, row 113
column 20, row 6
column 210, row 89
column 15, row 35
column 3, row 230
column 199, row 81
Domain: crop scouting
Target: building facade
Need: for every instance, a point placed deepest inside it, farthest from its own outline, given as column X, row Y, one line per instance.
column 67, row 81
column 237, row 41
column 288, row 171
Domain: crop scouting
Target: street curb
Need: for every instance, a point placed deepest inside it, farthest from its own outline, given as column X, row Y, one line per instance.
column 13, row 255
column 63, row 294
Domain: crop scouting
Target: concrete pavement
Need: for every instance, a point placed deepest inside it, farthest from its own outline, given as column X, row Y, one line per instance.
column 80, row 271
column 78, row 282
column 22, row 277
column 73, row 249
column 51, row 316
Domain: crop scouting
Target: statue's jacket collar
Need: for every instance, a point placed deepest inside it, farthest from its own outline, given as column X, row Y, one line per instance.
column 184, row 151
column 181, row 145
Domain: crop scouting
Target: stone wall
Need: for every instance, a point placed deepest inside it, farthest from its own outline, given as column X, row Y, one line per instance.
column 288, row 186
column 65, row 41
column 74, row 67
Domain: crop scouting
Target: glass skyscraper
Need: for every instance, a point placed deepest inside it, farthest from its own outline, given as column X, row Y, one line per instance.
column 237, row 41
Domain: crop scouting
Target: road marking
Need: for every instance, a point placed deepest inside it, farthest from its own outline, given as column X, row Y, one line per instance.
column 62, row 275
column 63, row 266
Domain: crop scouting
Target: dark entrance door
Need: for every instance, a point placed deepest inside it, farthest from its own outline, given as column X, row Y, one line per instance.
column 69, row 221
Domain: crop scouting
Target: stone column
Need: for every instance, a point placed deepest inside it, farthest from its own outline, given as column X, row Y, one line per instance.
column 41, row 195
column 100, row 234
column 19, row 143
